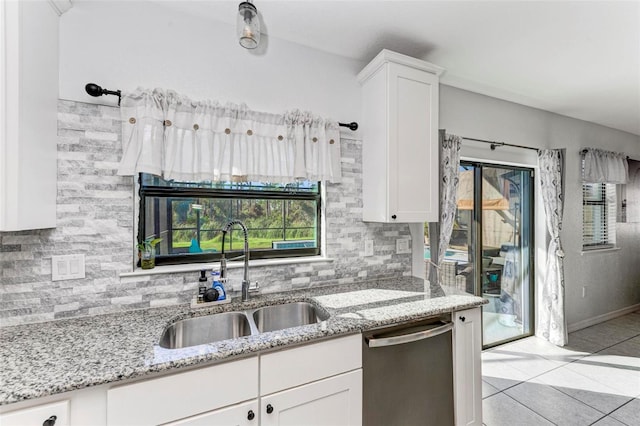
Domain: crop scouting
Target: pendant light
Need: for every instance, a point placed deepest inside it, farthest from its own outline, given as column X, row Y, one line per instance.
column 248, row 25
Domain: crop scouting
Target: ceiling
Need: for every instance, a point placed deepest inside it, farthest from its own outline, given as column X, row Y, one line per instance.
column 579, row 59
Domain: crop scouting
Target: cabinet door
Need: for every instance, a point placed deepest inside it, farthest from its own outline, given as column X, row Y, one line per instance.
column 28, row 115
column 336, row 401
column 245, row 414
column 38, row 415
column 413, row 144
column 467, row 372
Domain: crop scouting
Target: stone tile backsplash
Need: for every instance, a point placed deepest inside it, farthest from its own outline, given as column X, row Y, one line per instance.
column 95, row 211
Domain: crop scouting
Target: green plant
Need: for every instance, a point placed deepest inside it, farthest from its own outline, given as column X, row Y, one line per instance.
column 147, row 252
column 148, row 244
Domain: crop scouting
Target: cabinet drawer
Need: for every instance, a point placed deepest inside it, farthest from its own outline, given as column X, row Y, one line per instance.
column 181, row 395
column 294, row 367
column 37, row 415
column 245, row 414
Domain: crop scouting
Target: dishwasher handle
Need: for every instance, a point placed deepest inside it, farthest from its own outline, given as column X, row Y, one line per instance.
column 408, row 338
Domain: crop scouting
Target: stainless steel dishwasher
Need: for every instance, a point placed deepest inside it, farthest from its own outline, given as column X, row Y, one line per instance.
column 408, row 374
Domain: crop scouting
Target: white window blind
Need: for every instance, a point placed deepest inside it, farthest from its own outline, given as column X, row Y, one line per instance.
column 598, row 215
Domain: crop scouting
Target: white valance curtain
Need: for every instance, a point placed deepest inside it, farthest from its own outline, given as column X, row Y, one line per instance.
column 170, row 135
column 602, row 166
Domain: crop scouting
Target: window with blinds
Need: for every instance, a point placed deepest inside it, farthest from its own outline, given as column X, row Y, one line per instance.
column 598, row 216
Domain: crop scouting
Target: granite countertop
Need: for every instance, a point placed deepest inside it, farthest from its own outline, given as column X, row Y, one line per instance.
column 59, row 356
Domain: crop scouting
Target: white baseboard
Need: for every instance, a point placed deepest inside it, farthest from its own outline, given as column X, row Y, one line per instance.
column 602, row 318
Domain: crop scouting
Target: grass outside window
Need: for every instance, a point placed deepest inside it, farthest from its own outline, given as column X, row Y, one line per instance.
column 282, row 220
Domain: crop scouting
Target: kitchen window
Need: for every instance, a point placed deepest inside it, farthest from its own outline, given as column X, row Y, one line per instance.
column 283, row 220
column 598, row 216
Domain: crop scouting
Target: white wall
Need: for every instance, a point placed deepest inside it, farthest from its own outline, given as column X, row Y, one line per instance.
column 612, row 278
column 125, row 45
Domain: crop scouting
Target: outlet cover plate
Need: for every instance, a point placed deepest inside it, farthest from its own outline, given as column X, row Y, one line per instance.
column 368, row 247
column 403, row 246
column 67, row 267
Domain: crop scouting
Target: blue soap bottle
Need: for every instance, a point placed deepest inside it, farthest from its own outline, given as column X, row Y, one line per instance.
column 217, row 285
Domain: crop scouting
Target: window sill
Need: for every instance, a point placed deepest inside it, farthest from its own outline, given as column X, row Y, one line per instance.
column 195, row 267
column 602, row 250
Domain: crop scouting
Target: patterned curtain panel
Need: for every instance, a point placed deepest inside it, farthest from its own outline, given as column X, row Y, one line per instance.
column 172, row 136
column 552, row 324
column 602, row 166
column 440, row 232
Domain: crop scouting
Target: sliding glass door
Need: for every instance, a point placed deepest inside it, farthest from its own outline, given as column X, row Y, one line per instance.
column 506, row 275
column 491, row 247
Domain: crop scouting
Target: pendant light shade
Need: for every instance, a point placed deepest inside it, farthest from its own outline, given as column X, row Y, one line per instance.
column 248, row 25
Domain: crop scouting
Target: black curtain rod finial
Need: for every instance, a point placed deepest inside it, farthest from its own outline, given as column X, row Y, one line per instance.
column 95, row 91
column 353, row 126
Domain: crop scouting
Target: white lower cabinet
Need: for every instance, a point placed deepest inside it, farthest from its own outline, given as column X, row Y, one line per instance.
column 179, row 396
column 245, row 414
column 304, row 364
column 55, row 413
column 77, row 408
column 317, row 384
column 467, row 364
column 328, row 402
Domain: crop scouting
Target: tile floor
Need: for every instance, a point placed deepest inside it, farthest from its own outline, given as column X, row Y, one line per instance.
column 497, row 327
column 594, row 380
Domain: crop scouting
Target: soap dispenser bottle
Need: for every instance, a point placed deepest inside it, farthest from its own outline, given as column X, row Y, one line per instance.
column 202, row 285
column 217, row 285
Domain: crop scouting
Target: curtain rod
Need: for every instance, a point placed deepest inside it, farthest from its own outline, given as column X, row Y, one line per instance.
column 95, row 90
column 495, row 144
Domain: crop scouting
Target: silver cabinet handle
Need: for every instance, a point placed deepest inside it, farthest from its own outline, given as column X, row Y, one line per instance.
column 406, row 338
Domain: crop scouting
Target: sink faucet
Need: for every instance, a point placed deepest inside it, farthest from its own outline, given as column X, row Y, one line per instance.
column 223, row 260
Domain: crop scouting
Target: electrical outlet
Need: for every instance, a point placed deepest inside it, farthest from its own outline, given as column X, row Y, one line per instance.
column 584, row 292
column 368, row 247
column 403, row 246
column 67, row 267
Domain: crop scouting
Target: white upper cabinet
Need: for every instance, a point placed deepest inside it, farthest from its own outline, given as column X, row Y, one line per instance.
column 400, row 139
column 28, row 114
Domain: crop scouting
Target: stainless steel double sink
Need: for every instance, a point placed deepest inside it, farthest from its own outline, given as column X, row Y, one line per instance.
column 230, row 325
